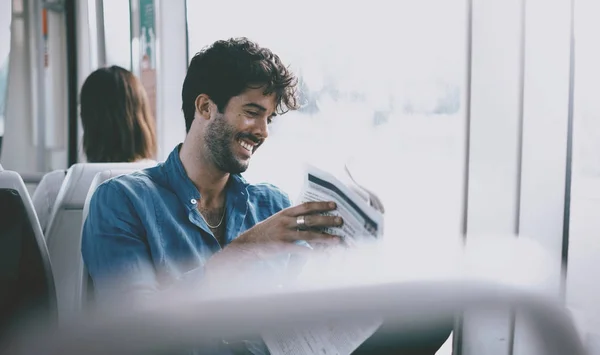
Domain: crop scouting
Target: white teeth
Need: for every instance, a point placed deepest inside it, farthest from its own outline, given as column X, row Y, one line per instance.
column 246, row 146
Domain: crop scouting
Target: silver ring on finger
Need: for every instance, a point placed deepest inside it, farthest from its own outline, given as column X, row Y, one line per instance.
column 300, row 223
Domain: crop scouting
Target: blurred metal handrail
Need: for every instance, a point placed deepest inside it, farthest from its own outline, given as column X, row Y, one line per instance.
column 185, row 321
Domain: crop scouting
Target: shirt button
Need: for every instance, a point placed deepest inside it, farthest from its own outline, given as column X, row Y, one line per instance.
column 193, row 201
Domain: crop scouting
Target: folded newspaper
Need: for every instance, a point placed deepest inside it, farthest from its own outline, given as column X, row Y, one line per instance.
column 362, row 213
column 355, row 204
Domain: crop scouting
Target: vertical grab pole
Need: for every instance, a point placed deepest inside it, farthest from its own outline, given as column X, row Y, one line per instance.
column 72, row 86
column 40, row 104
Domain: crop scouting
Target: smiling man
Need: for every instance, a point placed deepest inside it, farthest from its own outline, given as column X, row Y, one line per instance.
column 194, row 218
column 194, row 214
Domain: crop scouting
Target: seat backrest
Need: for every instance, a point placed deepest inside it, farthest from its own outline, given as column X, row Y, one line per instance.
column 87, row 287
column 31, row 181
column 45, row 194
column 63, row 234
column 26, row 281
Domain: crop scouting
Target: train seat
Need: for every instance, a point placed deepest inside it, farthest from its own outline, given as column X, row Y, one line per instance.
column 63, row 235
column 27, row 286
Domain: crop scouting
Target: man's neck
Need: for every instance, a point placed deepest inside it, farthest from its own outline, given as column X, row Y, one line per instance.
column 208, row 179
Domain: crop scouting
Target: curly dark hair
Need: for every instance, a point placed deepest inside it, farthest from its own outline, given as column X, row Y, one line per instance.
column 228, row 67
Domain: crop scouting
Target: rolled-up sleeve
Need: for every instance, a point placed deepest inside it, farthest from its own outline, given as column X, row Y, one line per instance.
column 114, row 247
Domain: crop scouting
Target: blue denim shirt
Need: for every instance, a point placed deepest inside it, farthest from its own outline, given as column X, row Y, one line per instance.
column 145, row 227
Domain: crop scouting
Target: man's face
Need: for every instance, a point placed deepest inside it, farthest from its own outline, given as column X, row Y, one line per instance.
column 232, row 137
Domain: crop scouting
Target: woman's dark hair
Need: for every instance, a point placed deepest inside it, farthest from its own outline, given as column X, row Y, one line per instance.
column 118, row 124
column 227, row 68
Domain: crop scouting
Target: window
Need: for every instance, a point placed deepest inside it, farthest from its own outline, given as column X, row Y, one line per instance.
column 117, row 31
column 384, row 87
column 5, row 20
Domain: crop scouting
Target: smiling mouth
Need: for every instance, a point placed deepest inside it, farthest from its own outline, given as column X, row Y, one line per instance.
column 249, row 147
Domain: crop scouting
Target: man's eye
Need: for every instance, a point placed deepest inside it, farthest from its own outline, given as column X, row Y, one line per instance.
column 269, row 120
column 252, row 113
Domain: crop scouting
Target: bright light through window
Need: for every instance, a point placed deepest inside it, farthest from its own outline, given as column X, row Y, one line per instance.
column 383, row 84
column 117, row 29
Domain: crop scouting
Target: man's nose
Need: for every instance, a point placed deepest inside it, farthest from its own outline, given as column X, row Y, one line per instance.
column 261, row 128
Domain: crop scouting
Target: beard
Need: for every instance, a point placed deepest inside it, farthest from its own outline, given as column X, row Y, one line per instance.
column 220, row 137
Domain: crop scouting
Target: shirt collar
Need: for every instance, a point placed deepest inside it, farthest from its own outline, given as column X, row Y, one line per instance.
column 185, row 189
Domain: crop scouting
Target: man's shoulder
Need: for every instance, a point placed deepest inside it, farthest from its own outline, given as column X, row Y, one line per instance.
column 266, row 193
column 126, row 202
column 135, row 184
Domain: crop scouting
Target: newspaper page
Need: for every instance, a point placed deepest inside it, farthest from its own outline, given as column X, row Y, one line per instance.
column 362, row 222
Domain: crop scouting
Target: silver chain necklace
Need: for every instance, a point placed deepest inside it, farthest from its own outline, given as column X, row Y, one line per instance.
column 220, row 221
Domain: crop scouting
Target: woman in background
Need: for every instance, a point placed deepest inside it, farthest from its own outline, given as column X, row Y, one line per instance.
column 117, row 120
column 118, row 126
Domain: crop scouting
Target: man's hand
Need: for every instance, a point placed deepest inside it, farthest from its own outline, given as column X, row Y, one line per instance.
column 278, row 233
column 286, row 226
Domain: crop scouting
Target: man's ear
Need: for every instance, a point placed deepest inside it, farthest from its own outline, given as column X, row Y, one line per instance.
column 203, row 106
